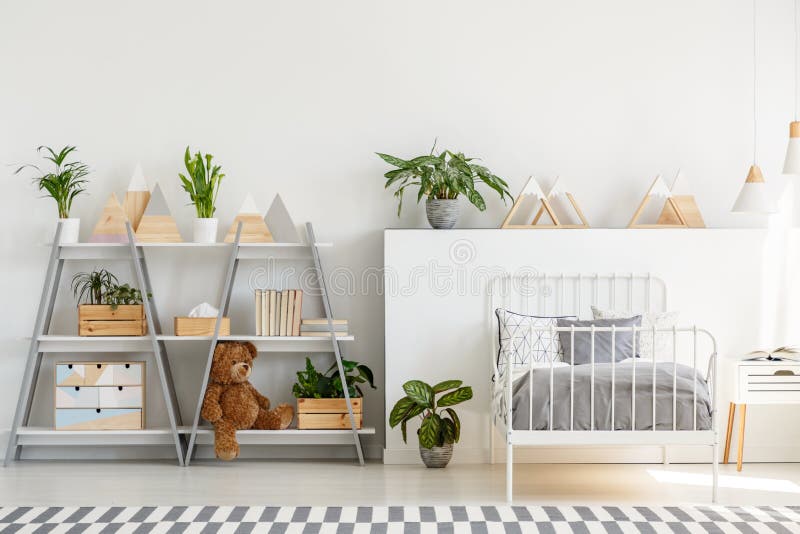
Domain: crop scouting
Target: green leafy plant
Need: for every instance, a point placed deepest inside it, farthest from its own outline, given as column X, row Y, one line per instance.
column 311, row 384
column 445, row 176
column 101, row 287
column 62, row 184
column 436, row 428
column 203, row 182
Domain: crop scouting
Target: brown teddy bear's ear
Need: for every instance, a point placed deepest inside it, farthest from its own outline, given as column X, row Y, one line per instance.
column 251, row 349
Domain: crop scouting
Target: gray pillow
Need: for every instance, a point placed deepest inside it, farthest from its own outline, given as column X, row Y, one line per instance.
column 602, row 340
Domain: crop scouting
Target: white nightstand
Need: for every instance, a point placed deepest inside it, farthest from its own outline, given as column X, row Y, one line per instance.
column 760, row 382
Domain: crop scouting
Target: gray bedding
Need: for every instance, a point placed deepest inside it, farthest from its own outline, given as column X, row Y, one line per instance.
column 602, row 398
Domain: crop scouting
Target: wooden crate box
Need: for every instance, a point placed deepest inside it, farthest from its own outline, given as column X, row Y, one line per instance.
column 327, row 414
column 102, row 320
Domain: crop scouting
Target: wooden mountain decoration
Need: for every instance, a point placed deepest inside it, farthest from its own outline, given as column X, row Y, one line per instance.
column 280, row 222
column 136, row 198
column 658, row 189
column 560, row 191
column 683, row 203
column 254, row 229
column 532, row 190
column 157, row 224
column 111, row 226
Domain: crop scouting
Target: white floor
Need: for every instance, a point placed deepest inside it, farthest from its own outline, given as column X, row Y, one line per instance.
column 344, row 483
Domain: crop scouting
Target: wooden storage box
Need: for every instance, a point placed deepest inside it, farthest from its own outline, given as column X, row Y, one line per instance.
column 201, row 326
column 99, row 395
column 102, row 320
column 327, row 414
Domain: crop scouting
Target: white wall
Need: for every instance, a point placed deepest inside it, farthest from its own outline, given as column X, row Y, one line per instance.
column 294, row 97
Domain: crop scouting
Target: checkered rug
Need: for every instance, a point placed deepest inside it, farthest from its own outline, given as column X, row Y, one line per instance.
column 404, row 519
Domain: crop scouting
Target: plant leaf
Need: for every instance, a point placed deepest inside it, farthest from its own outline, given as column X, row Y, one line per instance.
column 419, row 392
column 401, row 408
column 456, row 423
column 447, row 384
column 429, row 431
column 455, row 397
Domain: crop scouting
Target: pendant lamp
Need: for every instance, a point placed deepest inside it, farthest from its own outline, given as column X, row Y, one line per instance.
column 753, row 197
column 791, row 164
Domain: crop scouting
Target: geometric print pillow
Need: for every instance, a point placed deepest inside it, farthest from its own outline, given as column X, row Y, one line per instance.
column 521, row 344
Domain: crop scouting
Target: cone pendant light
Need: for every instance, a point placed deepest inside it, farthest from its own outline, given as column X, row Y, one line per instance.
column 791, row 164
column 753, row 197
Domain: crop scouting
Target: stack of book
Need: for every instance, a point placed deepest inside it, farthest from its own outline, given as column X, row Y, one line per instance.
column 320, row 328
column 278, row 312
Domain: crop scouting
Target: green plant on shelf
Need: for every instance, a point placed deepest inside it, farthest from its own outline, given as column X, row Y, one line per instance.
column 65, row 182
column 202, row 182
column 311, row 384
column 102, row 287
column 443, row 176
column 436, row 428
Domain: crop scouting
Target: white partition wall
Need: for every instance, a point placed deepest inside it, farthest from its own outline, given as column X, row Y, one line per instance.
column 733, row 282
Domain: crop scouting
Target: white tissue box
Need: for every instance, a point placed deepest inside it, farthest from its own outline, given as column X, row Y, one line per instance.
column 201, row 326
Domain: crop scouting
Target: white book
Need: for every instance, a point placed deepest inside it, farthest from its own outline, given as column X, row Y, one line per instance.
column 273, row 300
column 284, row 308
column 258, row 312
column 264, row 312
column 290, row 313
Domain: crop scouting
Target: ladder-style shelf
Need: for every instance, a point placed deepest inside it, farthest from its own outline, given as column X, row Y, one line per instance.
column 184, row 438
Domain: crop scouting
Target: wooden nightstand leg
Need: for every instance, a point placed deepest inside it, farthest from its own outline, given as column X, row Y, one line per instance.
column 729, row 432
column 741, row 437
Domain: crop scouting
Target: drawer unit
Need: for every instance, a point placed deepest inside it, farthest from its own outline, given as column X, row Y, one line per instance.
column 768, row 384
column 99, row 395
column 98, row 419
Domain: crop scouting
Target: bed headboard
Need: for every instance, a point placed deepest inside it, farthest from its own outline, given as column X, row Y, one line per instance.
column 574, row 294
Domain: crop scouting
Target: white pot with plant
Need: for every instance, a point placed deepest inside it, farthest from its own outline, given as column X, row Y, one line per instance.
column 202, row 184
column 442, row 180
column 63, row 184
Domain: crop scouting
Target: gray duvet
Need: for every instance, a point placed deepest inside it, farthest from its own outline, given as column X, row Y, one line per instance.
column 602, row 398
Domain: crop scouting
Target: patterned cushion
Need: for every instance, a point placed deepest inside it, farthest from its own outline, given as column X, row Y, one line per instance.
column 521, row 344
column 645, row 344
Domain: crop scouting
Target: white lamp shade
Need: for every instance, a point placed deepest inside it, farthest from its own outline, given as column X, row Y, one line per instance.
column 791, row 164
column 753, row 197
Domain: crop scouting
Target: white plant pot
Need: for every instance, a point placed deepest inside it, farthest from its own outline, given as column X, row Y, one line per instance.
column 204, row 230
column 70, row 230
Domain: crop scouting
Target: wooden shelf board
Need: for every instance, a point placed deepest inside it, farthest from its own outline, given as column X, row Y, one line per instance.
column 163, row 436
column 55, row 343
column 272, row 343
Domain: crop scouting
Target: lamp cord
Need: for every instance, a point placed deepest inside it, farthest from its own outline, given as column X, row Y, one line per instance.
column 795, row 60
column 755, row 120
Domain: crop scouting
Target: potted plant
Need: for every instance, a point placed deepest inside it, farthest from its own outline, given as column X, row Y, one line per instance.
column 202, row 184
column 106, row 308
column 442, row 180
column 320, row 397
column 437, row 431
column 64, row 183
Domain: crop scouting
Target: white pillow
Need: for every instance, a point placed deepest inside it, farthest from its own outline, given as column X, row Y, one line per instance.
column 644, row 338
column 516, row 342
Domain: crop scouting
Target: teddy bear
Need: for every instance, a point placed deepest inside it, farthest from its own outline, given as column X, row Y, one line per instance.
column 231, row 402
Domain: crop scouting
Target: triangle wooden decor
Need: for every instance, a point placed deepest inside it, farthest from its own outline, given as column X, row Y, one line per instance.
column 280, row 222
column 157, row 224
column 110, row 228
column 136, row 198
column 532, row 189
column 558, row 189
column 674, row 219
column 254, row 229
column 684, row 204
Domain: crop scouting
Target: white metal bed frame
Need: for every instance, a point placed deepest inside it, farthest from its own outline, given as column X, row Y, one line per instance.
column 565, row 294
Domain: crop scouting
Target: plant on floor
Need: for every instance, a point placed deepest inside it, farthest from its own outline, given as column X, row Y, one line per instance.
column 65, row 182
column 442, row 177
column 202, row 183
column 102, row 287
column 311, row 384
column 437, row 429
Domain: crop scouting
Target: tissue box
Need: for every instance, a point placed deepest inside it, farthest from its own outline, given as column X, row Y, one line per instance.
column 201, row 326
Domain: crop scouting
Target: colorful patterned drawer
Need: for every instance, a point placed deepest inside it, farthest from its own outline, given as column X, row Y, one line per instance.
column 98, row 419
column 99, row 395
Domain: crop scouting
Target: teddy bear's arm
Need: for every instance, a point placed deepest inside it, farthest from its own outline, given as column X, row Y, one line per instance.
column 212, row 411
column 263, row 402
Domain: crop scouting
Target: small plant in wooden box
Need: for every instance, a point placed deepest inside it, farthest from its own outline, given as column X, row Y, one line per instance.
column 320, row 397
column 107, row 308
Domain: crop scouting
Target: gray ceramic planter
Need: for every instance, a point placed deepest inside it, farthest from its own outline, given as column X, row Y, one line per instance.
column 437, row 457
column 443, row 213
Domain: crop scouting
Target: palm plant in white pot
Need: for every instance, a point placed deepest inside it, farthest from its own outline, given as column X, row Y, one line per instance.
column 202, row 184
column 62, row 184
column 442, row 179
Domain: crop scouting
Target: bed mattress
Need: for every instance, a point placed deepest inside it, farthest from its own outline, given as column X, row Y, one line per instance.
column 624, row 379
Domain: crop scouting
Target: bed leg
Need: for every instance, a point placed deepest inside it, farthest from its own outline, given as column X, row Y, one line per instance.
column 509, row 472
column 715, row 473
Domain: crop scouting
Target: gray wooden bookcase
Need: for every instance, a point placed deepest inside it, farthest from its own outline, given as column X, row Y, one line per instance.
column 184, row 438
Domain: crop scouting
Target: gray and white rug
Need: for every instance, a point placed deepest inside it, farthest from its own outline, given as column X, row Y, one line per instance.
column 404, row 519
